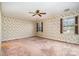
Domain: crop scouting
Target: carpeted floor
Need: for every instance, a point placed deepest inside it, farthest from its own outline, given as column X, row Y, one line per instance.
column 36, row 46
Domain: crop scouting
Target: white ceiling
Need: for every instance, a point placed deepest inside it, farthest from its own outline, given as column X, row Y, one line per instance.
column 21, row 9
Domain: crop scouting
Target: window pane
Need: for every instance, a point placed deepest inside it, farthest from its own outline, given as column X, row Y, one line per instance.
column 69, row 25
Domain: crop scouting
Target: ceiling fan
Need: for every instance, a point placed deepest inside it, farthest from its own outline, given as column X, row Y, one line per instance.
column 37, row 12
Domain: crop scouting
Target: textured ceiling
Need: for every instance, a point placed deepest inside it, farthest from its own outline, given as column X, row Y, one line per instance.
column 21, row 9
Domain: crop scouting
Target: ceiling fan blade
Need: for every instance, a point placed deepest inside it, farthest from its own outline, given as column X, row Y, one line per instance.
column 42, row 13
column 34, row 15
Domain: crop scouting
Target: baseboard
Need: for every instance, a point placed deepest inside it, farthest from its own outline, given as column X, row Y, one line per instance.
column 44, row 38
column 16, row 38
column 58, row 40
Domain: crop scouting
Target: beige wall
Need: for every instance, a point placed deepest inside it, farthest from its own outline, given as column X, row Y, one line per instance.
column 0, row 23
column 13, row 28
column 52, row 31
column 0, row 29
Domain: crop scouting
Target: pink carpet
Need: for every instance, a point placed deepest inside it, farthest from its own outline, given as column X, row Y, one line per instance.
column 37, row 46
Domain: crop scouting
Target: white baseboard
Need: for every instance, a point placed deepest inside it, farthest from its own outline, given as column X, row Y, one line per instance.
column 16, row 38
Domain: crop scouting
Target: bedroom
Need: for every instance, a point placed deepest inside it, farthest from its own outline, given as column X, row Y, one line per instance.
column 39, row 28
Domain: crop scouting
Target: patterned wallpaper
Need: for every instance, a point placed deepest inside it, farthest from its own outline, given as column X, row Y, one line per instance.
column 52, row 31
column 13, row 28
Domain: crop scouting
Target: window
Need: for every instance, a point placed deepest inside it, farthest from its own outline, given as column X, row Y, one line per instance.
column 69, row 25
column 39, row 27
